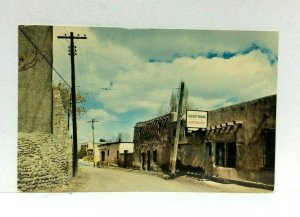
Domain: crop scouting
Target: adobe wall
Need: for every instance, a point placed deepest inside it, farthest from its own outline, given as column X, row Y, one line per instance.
column 35, row 80
column 60, row 128
column 126, row 146
column 128, row 162
column 255, row 115
column 112, row 157
column 44, row 149
column 45, row 160
column 191, row 154
column 152, row 135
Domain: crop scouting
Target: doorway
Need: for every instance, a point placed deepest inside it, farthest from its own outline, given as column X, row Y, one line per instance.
column 208, row 166
column 143, row 160
column 125, row 158
column 207, row 151
column 148, row 160
column 102, row 155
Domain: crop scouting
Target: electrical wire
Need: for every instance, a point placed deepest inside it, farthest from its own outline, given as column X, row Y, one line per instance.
column 43, row 55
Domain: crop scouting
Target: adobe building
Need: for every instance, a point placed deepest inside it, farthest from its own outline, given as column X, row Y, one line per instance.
column 237, row 144
column 44, row 146
column 152, row 143
column 116, row 153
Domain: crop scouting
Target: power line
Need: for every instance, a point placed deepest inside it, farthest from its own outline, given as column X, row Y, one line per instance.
column 42, row 54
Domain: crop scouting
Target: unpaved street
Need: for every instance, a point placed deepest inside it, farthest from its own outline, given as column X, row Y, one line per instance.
column 93, row 179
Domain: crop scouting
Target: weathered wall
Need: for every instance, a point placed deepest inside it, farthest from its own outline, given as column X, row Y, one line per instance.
column 35, row 80
column 44, row 149
column 42, row 162
column 60, row 128
column 149, row 136
column 126, row 146
column 255, row 115
column 192, row 153
column 112, row 157
column 128, row 161
column 157, row 134
column 45, row 160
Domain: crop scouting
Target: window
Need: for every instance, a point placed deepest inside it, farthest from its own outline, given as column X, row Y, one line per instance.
column 231, row 154
column 118, row 155
column 108, row 152
column 268, row 136
column 155, row 156
column 207, row 151
column 220, row 154
column 226, row 154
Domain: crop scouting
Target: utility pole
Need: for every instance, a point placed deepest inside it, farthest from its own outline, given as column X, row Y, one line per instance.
column 179, row 115
column 73, row 94
column 93, row 121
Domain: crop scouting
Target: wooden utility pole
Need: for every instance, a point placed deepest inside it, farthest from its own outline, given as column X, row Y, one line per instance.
column 73, row 94
column 179, row 115
column 93, row 121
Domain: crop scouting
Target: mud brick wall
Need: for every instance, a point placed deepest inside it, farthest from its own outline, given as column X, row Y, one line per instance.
column 45, row 160
column 35, row 80
column 44, row 147
column 60, row 127
column 42, row 162
column 255, row 115
column 152, row 135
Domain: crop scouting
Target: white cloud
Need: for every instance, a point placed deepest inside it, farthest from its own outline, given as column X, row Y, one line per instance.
column 140, row 85
column 246, row 77
column 101, row 115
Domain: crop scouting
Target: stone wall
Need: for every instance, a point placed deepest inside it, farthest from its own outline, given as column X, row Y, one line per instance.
column 45, row 160
column 42, row 162
column 35, row 80
column 60, row 128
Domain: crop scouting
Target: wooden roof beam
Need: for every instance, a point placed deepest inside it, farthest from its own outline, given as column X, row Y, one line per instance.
column 229, row 123
column 238, row 122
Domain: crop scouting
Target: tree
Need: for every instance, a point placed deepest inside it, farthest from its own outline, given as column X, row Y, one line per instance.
column 186, row 105
column 162, row 110
column 173, row 103
column 65, row 94
column 122, row 137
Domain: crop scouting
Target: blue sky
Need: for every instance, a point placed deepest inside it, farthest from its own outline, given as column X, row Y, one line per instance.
column 142, row 67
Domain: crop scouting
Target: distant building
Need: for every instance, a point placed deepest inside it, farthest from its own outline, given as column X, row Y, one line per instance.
column 88, row 149
column 237, row 144
column 116, row 153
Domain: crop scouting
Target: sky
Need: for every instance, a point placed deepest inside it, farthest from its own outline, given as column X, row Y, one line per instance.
column 128, row 75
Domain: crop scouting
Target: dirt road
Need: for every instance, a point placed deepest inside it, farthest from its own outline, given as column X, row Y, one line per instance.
column 93, row 179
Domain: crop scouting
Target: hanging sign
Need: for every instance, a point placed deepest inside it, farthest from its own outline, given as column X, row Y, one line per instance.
column 196, row 119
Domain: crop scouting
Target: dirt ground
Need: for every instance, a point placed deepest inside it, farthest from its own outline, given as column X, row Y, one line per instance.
column 113, row 179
